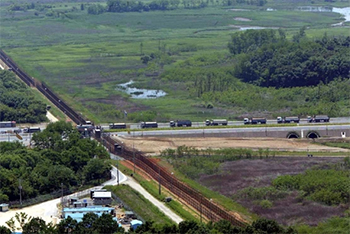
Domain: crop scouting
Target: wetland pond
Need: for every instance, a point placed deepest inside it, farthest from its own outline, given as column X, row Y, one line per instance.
column 345, row 12
column 140, row 93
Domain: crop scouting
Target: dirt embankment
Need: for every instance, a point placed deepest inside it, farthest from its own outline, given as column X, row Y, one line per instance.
column 153, row 145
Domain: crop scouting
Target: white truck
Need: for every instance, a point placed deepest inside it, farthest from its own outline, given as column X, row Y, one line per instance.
column 216, row 122
column 290, row 119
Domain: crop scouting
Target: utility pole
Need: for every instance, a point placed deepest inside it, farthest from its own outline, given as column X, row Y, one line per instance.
column 160, row 188
column 62, row 193
column 117, row 174
column 133, row 155
column 133, row 149
column 200, row 209
column 171, row 182
column 20, row 191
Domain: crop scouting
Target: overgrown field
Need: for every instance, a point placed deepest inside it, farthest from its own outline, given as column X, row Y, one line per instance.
column 292, row 190
column 83, row 57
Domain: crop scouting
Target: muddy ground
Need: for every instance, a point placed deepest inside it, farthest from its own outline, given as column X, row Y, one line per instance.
column 290, row 210
column 237, row 175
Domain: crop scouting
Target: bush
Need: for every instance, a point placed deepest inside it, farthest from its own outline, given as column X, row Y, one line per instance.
column 265, row 204
column 329, row 186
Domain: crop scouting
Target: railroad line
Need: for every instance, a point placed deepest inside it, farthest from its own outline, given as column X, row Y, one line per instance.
column 203, row 206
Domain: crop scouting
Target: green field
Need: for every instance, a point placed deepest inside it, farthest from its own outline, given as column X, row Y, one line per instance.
column 83, row 57
column 139, row 204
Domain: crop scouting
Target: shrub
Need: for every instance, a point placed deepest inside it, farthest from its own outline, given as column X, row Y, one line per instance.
column 265, row 204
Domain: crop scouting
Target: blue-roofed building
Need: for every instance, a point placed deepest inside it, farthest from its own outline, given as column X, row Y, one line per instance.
column 135, row 224
column 78, row 213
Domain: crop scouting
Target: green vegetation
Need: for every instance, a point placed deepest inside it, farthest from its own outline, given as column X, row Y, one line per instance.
column 59, row 158
column 17, row 102
column 138, row 203
column 92, row 223
column 152, row 187
column 333, row 225
column 338, row 143
column 280, row 63
column 328, row 186
column 181, row 51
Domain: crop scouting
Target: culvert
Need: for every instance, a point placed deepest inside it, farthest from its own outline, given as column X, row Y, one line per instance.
column 292, row 135
column 313, row 135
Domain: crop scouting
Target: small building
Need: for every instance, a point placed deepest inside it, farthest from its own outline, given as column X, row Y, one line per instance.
column 130, row 215
column 4, row 207
column 78, row 213
column 135, row 224
column 102, row 198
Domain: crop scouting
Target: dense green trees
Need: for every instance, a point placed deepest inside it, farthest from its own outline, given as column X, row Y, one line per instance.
column 272, row 63
column 60, row 157
column 17, row 102
column 162, row 5
column 92, row 223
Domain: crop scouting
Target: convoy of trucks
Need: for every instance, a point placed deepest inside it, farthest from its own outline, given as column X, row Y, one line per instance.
column 254, row 120
column 89, row 127
column 181, row 123
column 318, row 118
column 216, row 122
column 149, row 125
column 291, row 119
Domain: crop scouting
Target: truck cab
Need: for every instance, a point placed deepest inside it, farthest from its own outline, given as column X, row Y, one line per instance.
column 279, row 119
column 246, row 121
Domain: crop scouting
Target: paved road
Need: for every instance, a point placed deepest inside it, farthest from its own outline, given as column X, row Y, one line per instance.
column 228, row 130
column 232, row 123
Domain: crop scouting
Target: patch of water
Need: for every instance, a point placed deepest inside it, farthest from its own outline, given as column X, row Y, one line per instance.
column 343, row 11
column 140, row 93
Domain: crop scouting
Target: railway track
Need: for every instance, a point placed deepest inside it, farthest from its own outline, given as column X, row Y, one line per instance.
column 203, row 205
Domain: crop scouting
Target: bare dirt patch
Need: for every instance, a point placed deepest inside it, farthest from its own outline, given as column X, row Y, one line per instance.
column 240, row 174
column 242, row 19
column 153, row 145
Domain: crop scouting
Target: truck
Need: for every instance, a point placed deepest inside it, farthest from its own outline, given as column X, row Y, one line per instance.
column 31, row 130
column 149, row 125
column 117, row 125
column 216, row 122
column 290, row 119
column 85, row 127
column 318, row 118
column 181, row 123
column 254, row 120
column 8, row 124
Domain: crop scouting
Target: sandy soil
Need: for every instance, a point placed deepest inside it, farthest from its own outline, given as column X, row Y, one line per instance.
column 51, row 117
column 153, row 145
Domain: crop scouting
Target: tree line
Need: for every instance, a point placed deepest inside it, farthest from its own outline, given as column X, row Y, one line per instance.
column 92, row 223
column 276, row 62
column 17, row 101
column 58, row 157
column 164, row 5
column 268, row 72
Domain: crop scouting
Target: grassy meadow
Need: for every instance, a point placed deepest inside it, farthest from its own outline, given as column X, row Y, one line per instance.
column 83, row 57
